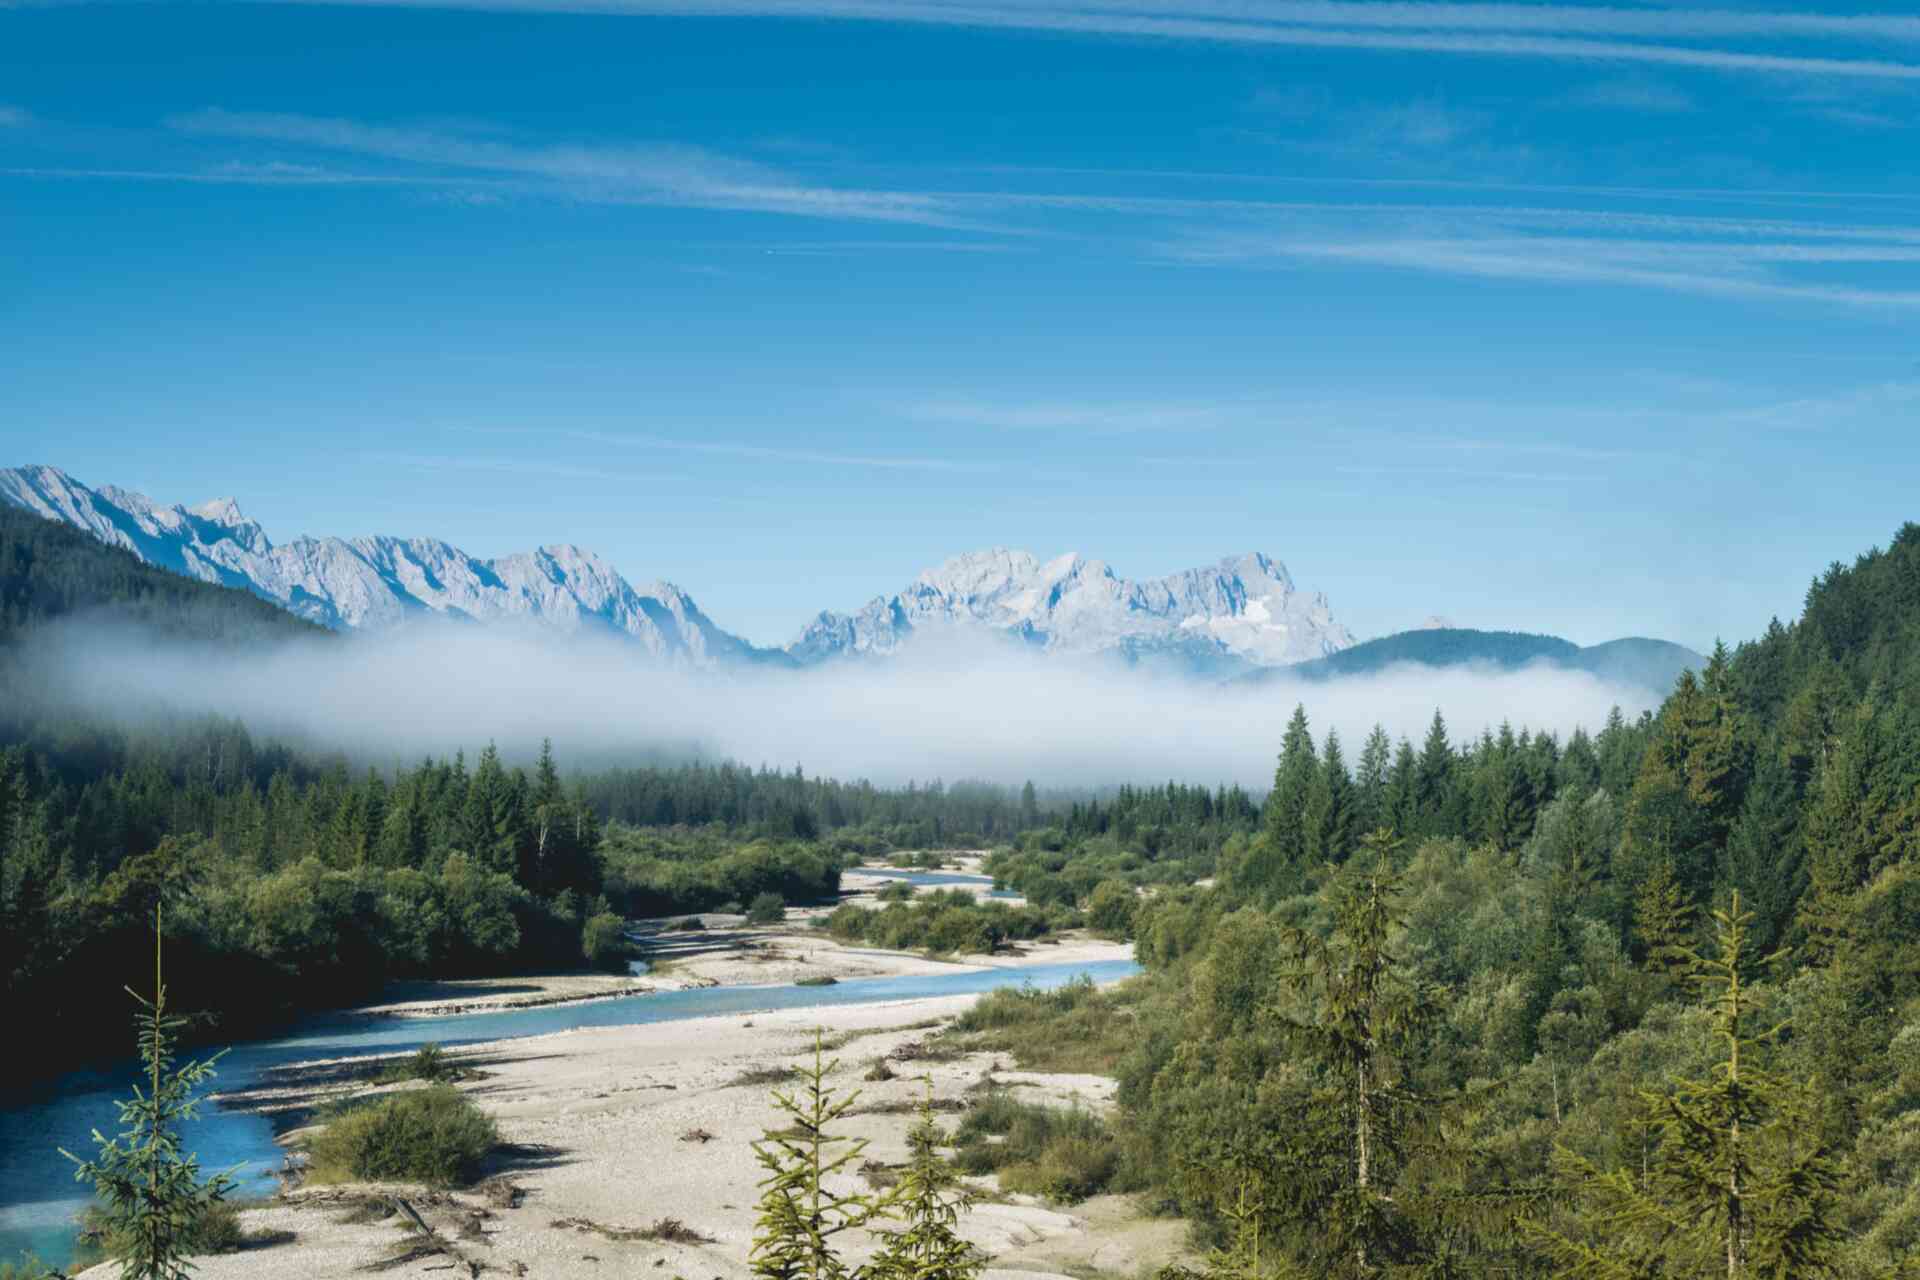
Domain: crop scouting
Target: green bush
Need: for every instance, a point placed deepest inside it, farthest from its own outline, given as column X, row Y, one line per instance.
column 603, row 940
column 767, row 908
column 895, row 891
column 429, row 1062
column 1110, row 909
column 1064, row 1155
column 1070, row 1168
column 216, row 1229
column 435, row 1136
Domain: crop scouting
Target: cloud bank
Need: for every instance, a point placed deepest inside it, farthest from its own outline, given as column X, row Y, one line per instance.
column 938, row 713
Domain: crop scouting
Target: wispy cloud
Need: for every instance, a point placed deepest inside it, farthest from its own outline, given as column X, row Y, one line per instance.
column 663, row 174
column 1716, row 271
column 245, row 175
column 1873, row 405
column 1564, row 32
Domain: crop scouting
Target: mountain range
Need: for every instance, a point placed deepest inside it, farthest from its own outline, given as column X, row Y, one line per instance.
column 1240, row 616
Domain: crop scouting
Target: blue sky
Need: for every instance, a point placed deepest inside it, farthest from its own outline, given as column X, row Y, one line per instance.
column 1596, row 321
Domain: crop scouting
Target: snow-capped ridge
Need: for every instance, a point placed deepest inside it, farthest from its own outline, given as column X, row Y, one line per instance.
column 381, row 581
column 1242, row 610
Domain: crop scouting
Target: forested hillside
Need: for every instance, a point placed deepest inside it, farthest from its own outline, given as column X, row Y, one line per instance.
column 1643, row 1006
column 50, row 571
column 1633, row 660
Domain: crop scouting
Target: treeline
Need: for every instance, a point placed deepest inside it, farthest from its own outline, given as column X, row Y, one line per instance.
column 51, row 571
column 1645, row 1005
column 290, row 884
column 778, row 804
column 671, row 872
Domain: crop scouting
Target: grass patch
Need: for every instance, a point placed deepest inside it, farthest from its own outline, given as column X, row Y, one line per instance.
column 909, row 1107
column 217, row 1230
column 1073, row 1028
column 429, row 1062
column 879, row 1071
column 435, row 1136
column 663, row 1231
column 763, row 1077
column 1063, row 1155
column 881, row 1177
column 820, row 980
column 928, row 1050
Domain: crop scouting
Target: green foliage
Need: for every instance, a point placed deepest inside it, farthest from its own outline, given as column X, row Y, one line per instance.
column 154, row 1207
column 800, row 1215
column 1075, row 1027
column 1061, row 1154
column 948, row 921
column 429, row 1062
column 434, row 1136
column 657, row 873
column 929, row 1199
column 603, row 941
column 1738, row 1182
column 766, row 908
column 1110, row 909
column 216, row 1229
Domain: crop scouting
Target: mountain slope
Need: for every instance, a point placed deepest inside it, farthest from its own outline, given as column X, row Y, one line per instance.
column 1242, row 612
column 358, row 583
column 1654, row 664
column 50, row 571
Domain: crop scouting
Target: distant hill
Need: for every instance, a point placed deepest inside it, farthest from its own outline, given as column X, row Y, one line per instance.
column 50, row 570
column 1654, row 664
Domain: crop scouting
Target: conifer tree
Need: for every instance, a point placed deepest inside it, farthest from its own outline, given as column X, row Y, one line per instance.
column 1369, row 1180
column 1433, row 778
column 1739, row 1183
column 153, row 1196
column 1277, row 864
column 1371, row 772
column 1663, row 922
column 1329, row 817
column 929, row 1198
column 1403, row 791
column 800, row 1215
column 1765, row 863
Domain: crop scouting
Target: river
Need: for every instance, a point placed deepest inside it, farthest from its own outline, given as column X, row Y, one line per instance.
column 38, row 1195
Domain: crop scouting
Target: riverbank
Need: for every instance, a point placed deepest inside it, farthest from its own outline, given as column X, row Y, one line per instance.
column 614, row 1128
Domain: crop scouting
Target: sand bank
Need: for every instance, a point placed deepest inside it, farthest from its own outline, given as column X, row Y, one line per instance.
column 621, row 1127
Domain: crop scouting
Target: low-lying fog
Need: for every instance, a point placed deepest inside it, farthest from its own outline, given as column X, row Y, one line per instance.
column 935, row 713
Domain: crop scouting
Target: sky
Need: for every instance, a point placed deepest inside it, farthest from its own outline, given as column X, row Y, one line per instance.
column 1595, row 321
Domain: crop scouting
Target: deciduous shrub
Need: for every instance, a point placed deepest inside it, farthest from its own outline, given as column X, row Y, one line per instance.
column 435, row 1136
